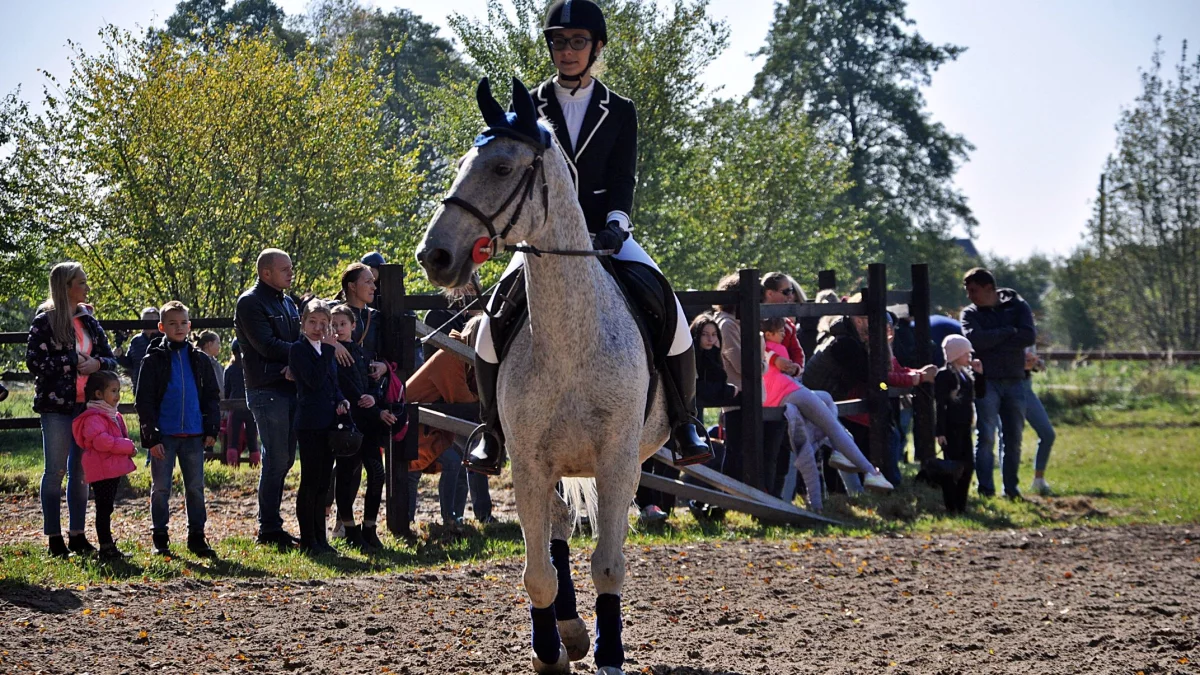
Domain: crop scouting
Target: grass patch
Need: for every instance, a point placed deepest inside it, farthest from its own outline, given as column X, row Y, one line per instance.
column 1130, row 459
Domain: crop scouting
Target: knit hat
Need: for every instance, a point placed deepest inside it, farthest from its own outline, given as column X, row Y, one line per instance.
column 955, row 346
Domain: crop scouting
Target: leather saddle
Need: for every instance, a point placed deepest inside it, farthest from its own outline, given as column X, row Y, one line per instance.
column 646, row 292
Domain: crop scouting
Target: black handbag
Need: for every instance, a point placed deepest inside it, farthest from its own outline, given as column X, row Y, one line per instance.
column 345, row 439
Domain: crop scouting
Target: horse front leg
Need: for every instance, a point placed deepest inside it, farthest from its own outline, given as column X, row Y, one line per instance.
column 534, row 493
column 571, row 628
column 616, row 481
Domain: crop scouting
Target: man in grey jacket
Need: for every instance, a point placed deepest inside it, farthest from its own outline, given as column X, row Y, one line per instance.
column 999, row 324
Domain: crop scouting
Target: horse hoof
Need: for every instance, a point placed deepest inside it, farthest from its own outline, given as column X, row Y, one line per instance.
column 575, row 638
column 609, row 670
column 560, row 667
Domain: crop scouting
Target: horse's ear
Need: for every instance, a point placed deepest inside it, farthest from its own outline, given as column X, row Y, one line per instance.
column 493, row 114
column 523, row 107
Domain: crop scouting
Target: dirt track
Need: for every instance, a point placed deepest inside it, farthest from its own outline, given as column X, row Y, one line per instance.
column 1067, row 601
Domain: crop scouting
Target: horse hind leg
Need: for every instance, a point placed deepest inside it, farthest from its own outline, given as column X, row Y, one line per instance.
column 617, row 479
column 571, row 628
column 534, row 498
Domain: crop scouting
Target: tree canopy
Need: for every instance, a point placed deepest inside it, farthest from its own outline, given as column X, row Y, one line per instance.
column 166, row 169
column 855, row 68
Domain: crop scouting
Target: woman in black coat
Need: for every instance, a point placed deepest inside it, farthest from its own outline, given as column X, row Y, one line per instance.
column 66, row 344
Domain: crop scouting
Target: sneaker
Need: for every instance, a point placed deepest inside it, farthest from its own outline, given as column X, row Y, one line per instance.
column 338, row 531
column 162, row 543
column 652, row 514
column 842, row 463
column 875, row 482
column 1041, row 487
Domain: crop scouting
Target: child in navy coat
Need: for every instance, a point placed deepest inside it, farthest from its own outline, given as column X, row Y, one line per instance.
column 319, row 401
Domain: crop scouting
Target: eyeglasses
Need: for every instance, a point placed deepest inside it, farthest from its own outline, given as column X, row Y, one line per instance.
column 576, row 44
column 787, row 291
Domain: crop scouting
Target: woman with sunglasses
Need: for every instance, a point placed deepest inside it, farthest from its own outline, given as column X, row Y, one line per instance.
column 597, row 131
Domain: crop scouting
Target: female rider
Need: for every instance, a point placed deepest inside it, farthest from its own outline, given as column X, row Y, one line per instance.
column 597, row 130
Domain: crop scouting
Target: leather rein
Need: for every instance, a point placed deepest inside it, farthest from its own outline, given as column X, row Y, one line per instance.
column 494, row 243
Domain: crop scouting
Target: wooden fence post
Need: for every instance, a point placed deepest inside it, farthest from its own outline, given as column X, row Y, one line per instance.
column 923, row 409
column 879, row 364
column 752, row 412
column 397, row 348
column 826, row 279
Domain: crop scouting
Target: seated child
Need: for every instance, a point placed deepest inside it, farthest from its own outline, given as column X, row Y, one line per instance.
column 107, row 452
column 955, row 390
column 178, row 405
column 803, row 404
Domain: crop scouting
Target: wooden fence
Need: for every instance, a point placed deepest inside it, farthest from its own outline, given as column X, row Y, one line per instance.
column 398, row 309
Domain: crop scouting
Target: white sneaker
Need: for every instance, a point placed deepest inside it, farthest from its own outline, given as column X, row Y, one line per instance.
column 652, row 514
column 1041, row 487
column 875, row 482
column 842, row 463
column 338, row 531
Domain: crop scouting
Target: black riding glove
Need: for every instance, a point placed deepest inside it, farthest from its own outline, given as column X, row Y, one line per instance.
column 611, row 237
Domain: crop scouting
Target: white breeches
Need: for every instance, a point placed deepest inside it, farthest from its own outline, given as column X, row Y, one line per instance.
column 630, row 251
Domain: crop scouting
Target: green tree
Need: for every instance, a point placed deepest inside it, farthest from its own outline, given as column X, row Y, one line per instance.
column 1032, row 278
column 719, row 184
column 405, row 50
column 856, row 68
column 24, row 239
column 199, row 21
column 1146, row 233
column 167, row 168
column 758, row 193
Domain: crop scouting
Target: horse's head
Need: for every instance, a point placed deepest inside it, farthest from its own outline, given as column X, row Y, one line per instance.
column 500, row 193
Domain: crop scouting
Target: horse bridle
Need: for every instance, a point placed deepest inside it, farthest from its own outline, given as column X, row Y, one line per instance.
column 494, row 244
column 523, row 190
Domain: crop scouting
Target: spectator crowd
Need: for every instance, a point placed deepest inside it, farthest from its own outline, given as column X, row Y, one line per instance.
column 316, row 383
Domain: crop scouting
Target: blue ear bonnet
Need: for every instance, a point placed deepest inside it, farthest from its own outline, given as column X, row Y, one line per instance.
column 520, row 124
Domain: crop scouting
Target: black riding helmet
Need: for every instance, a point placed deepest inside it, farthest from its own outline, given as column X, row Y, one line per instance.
column 582, row 14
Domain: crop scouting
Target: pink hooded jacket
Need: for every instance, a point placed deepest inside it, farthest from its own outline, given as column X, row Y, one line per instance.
column 107, row 450
column 778, row 384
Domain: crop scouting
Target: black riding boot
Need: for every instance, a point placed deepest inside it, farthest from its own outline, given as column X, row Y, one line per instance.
column 485, row 454
column 691, row 447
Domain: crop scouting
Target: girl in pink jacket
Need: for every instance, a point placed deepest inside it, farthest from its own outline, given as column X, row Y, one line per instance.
column 802, row 405
column 107, row 452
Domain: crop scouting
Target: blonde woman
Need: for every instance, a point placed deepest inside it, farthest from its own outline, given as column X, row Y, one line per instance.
column 66, row 345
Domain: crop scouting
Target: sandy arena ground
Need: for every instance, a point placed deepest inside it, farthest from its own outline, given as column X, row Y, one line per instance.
column 1119, row 600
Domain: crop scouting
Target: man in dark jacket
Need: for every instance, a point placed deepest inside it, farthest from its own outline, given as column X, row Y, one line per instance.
column 999, row 325
column 267, row 323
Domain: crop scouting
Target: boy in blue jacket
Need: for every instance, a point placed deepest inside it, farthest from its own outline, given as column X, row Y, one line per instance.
column 178, row 406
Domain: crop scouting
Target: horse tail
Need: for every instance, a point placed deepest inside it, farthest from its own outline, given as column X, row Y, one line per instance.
column 582, row 497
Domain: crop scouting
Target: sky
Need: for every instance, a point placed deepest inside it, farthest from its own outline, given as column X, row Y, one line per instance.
column 1038, row 91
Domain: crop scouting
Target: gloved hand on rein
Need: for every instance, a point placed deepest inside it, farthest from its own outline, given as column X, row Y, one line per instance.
column 611, row 238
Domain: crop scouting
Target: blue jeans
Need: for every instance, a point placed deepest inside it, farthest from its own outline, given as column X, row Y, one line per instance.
column 1003, row 406
column 274, row 414
column 62, row 459
column 454, row 483
column 189, row 452
column 1035, row 414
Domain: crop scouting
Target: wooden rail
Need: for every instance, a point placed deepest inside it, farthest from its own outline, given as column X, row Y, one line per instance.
column 399, row 346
